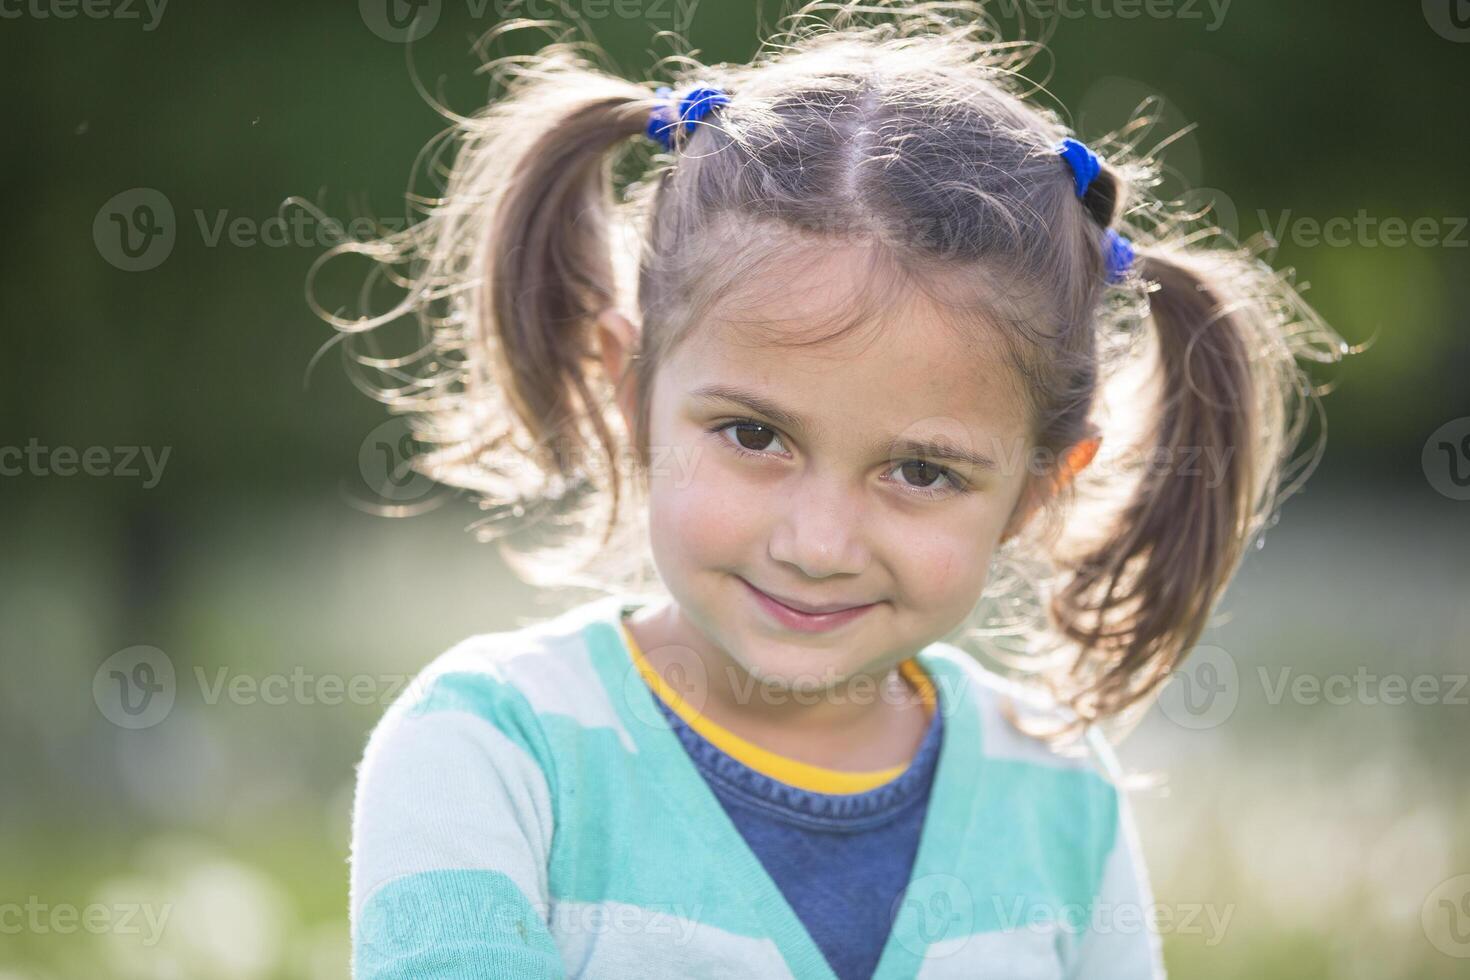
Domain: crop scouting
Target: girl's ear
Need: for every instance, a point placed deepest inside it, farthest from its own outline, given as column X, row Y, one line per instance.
column 617, row 339
column 1039, row 490
column 1075, row 460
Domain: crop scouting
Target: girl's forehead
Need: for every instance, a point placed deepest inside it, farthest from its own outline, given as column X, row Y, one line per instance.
column 888, row 370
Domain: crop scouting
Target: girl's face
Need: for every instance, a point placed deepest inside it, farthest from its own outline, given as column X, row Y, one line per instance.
column 798, row 473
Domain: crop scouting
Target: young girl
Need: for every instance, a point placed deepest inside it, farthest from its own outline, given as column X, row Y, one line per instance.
column 849, row 349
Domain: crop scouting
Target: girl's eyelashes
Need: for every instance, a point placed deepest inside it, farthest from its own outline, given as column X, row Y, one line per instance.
column 765, row 434
column 951, row 480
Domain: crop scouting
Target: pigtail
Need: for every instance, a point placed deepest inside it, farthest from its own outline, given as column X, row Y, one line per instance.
column 520, row 246
column 1136, row 601
column 548, row 259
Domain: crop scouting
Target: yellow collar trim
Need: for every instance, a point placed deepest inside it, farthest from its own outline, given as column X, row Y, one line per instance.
column 816, row 779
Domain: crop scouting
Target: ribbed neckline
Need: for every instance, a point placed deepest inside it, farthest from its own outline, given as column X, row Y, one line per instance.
column 842, row 812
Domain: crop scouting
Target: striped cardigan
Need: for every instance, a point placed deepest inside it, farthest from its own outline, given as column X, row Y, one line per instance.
column 525, row 811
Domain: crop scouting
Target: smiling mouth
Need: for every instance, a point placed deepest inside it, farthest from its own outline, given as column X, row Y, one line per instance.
column 815, row 610
column 807, row 616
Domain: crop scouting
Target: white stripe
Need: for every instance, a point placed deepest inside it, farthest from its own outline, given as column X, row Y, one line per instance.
column 615, row 939
column 1024, row 953
column 447, row 790
column 1002, row 740
column 549, row 664
column 1125, row 943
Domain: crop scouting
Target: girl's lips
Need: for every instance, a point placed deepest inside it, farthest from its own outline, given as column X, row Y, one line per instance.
column 804, row 622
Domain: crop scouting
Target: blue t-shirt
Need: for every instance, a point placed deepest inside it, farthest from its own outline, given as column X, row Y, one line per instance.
column 841, row 861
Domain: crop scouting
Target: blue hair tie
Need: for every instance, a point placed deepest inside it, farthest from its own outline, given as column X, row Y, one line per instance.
column 699, row 102
column 1120, row 256
column 1085, row 168
column 1084, row 163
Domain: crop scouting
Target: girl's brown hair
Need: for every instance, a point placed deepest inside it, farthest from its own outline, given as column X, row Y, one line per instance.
column 906, row 127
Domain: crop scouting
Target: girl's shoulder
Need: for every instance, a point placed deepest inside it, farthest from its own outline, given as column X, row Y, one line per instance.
column 993, row 696
column 547, row 666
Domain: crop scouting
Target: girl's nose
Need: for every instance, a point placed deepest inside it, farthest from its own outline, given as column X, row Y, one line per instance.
column 820, row 529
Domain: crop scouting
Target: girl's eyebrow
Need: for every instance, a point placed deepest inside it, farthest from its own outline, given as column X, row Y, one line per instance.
column 754, row 402
column 939, row 449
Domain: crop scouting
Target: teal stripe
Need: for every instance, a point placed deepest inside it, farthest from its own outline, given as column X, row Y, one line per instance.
column 1006, row 844
column 454, row 925
column 648, row 846
column 676, row 872
column 692, row 846
column 939, row 902
column 1048, row 833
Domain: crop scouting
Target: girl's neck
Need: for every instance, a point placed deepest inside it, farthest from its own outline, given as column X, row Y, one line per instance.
column 881, row 725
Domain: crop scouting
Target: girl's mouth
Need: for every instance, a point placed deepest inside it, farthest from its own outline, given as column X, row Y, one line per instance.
column 804, row 622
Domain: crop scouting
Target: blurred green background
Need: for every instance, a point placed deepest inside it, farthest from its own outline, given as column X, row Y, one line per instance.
column 1327, row 832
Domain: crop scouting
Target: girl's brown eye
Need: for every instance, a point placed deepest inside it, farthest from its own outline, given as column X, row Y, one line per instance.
column 921, row 473
column 758, row 440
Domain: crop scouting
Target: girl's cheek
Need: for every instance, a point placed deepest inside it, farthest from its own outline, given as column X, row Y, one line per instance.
column 945, row 569
column 710, row 509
